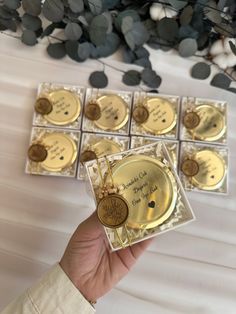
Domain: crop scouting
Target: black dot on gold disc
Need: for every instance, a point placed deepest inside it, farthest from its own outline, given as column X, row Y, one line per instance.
column 92, row 111
column 140, row 114
column 189, row 167
column 87, row 155
column 37, row 153
column 43, row 106
column 191, row 120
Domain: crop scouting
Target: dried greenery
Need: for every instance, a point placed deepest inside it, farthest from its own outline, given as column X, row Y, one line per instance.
column 98, row 28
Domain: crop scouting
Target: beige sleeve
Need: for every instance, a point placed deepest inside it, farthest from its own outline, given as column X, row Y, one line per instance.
column 54, row 293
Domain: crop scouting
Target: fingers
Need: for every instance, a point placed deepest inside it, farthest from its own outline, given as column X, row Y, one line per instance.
column 139, row 248
column 90, row 228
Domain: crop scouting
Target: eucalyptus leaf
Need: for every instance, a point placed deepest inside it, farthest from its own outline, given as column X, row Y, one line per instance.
column 9, row 24
column 186, row 15
column 98, row 79
column 32, row 7
column 128, row 55
column 53, row 10
column 72, row 50
column 136, row 36
column 232, row 90
column 96, row 6
column 143, row 62
column 142, row 52
column 187, row 47
column 73, row 31
column 56, row 50
column 168, row 29
column 212, row 13
column 5, row 13
column 150, row 78
column 29, row 37
column 221, row 80
column 84, row 51
column 12, row 4
column 76, row 6
column 201, row 71
column 131, row 78
column 98, row 30
column 178, row 4
column 31, row 22
column 126, row 13
column 233, row 47
column 110, row 46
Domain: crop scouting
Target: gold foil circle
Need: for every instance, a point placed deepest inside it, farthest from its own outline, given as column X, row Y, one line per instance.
column 212, row 125
column 114, row 112
column 212, row 170
column 61, row 151
column 148, row 186
column 162, row 116
column 112, row 211
column 106, row 147
column 66, row 107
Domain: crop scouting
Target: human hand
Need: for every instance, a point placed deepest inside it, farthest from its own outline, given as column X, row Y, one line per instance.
column 90, row 264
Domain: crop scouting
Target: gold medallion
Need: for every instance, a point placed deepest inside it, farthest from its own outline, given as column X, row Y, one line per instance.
column 212, row 170
column 66, row 107
column 162, row 116
column 114, row 112
column 148, row 186
column 112, row 211
column 92, row 111
column 212, row 124
column 37, row 153
column 190, row 167
column 140, row 114
column 87, row 155
column 61, row 151
column 191, row 120
column 43, row 106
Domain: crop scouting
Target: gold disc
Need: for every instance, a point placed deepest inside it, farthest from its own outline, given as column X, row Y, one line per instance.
column 92, row 111
column 87, row 155
column 114, row 112
column 66, row 107
column 148, row 186
column 37, row 153
column 106, row 147
column 140, row 114
column 43, row 106
column 212, row 125
column 191, row 120
column 162, row 116
column 61, row 151
column 112, row 211
column 190, row 167
column 212, row 170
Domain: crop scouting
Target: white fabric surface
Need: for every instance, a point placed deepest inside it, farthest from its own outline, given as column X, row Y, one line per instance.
column 189, row 270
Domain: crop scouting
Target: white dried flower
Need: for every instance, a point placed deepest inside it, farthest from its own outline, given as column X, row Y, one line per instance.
column 158, row 12
column 222, row 53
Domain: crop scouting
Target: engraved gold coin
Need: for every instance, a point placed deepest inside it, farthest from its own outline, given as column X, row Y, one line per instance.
column 148, row 186
column 191, row 120
column 140, row 114
column 162, row 116
column 114, row 112
column 212, row 170
column 61, row 151
column 66, row 107
column 87, row 155
column 212, row 125
column 92, row 111
column 190, row 167
column 106, row 147
column 43, row 106
column 112, row 211
column 37, row 153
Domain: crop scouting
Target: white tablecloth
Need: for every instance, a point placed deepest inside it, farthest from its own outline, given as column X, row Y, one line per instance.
column 189, row 270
